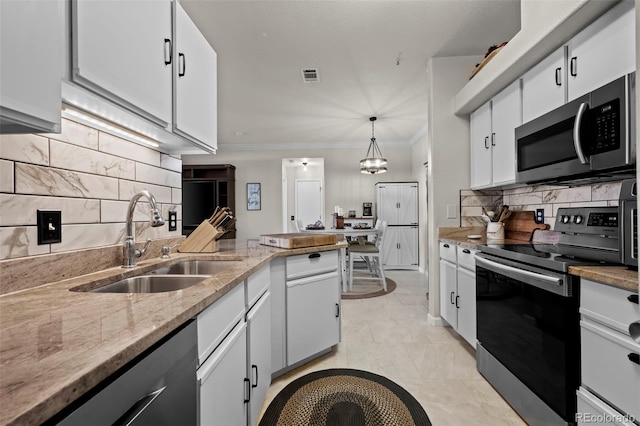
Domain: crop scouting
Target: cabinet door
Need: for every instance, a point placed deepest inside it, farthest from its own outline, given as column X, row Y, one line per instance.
column 506, row 115
column 448, row 309
column 259, row 354
column 388, row 204
column 466, row 305
column 195, row 109
column 603, row 51
column 544, row 86
column 222, row 382
column 122, row 50
column 313, row 315
column 390, row 248
column 407, row 204
column 30, row 66
column 481, row 147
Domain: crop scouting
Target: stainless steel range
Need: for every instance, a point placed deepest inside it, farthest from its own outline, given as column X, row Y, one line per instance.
column 527, row 313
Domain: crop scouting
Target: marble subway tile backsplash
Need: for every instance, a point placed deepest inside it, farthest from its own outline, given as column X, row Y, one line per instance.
column 550, row 198
column 89, row 176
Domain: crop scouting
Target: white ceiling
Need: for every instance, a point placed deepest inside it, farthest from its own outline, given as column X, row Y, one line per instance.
column 371, row 56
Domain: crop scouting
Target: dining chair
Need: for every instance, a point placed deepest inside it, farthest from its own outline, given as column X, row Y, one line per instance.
column 371, row 253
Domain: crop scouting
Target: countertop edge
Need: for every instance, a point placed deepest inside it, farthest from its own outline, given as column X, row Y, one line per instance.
column 41, row 409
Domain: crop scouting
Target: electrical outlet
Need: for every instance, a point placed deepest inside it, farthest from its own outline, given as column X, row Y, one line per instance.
column 49, row 226
column 539, row 216
column 173, row 220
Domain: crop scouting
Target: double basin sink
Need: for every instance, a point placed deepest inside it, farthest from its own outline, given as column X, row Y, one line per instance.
column 167, row 278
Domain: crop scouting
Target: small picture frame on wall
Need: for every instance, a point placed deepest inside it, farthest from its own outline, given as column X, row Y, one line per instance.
column 254, row 201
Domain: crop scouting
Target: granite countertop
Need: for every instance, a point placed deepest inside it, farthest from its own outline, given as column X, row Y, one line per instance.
column 617, row 276
column 57, row 344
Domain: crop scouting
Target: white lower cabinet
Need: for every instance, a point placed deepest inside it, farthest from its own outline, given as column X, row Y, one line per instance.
column 258, row 355
column 610, row 358
column 313, row 315
column 466, row 305
column 458, row 290
column 234, row 370
column 448, row 281
column 222, row 382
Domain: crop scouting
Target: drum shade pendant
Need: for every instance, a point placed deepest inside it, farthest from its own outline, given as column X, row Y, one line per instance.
column 374, row 163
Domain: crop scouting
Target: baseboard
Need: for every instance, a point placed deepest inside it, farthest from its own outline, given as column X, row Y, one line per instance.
column 436, row 321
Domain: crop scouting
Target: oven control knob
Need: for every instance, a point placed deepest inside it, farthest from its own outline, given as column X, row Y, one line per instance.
column 565, row 218
column 578, row 219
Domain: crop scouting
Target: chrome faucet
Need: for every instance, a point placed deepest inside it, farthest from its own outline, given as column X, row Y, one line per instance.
column 129, row 250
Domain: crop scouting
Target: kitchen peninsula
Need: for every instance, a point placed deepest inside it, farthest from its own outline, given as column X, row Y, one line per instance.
column 58, row 344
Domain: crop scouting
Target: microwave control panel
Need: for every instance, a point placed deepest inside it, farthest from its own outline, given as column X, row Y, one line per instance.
column 606, row 122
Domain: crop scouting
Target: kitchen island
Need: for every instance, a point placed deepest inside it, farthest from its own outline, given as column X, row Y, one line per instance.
column 57, row 344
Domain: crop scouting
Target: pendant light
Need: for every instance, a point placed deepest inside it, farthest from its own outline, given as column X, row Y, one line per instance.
column 374, row 163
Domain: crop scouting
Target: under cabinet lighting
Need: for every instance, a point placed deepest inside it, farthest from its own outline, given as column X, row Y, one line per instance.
column 112, row 128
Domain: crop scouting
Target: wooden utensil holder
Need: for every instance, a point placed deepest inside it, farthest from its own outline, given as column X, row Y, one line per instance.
column 202, row 240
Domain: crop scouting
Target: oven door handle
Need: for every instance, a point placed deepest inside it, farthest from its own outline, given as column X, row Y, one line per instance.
column 500, row 268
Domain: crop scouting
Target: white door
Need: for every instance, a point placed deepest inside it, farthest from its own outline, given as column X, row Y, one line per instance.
column 222, row 381
column 544, row 86
column 259, row 365
column 407, row 204
column 195, row 112
column 448, row 293
column 387, row 203
column 506, row 116
column 313, row 315
column 604, row 51
column 309, row 204
column 408, row 246
column 481, row 147
column 466, row 305
column 113, row 55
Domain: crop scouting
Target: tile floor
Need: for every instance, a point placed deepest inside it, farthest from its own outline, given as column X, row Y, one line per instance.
column 390, row 336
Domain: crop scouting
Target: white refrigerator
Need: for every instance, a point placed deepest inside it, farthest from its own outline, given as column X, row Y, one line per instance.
column 397, row 203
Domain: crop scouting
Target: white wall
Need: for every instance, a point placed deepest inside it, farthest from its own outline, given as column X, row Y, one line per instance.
column 344, row 184
column 419, row 156
column 448, row 156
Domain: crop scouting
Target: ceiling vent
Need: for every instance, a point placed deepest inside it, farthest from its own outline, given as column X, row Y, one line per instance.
column 310, row 75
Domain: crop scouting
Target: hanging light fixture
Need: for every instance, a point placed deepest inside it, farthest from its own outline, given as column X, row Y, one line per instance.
column 374, row 163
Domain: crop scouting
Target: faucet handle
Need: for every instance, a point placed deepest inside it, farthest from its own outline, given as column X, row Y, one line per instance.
column 166, row 250
column 144, row 249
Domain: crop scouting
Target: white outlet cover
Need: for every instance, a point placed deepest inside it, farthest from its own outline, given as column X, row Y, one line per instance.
column 452, row 211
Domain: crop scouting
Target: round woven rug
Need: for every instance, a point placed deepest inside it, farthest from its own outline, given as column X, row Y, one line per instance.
column 344, row 397
column 368, row 288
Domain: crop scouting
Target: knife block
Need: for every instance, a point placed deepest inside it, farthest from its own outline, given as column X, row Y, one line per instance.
column 202, row 240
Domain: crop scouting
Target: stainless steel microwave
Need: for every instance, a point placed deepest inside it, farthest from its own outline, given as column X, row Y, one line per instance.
column 589, row 138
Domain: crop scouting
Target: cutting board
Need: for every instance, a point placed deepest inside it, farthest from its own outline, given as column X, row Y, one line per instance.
column 297, row 240
column 520, row 226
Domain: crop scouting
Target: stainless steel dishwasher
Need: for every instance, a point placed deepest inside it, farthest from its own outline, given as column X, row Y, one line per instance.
column 157, row 388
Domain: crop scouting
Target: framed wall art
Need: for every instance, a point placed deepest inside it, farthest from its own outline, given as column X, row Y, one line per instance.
column 254, row 201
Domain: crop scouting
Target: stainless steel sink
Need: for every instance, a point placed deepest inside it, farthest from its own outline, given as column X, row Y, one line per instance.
column 151, row 284
column 194, row 267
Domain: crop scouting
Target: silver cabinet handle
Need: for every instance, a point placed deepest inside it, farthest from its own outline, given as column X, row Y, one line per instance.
column 573, row 66
column 558, row 76
column 493, row 139
column 486, row 142
column 136, row 409
column 577, row 143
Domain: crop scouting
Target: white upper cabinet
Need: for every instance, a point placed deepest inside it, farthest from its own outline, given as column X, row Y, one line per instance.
column 603, row 51
column 195, row 97
column 30, row 66
column 123, row 51
column 481, row 158
column 506, row 111
column 544, row 86
column 493, row 139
